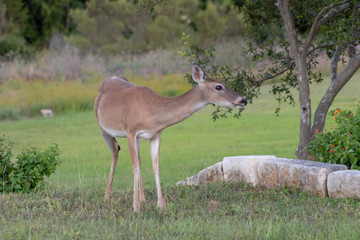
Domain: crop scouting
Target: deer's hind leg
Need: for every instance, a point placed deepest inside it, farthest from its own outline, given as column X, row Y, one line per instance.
column 114, row 148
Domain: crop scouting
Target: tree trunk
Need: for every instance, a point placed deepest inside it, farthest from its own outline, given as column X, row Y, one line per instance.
column 336, row 85
column 305, row 107
column 298, row 52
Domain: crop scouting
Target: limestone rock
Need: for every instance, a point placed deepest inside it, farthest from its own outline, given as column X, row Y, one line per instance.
column 181, row 183
column 308, row 176
column 243, row 168
column 343, row 184
column 47, row 113
column 210, row 174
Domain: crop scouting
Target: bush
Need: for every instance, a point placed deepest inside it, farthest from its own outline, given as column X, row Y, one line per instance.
column 342, row 144
column 5, row 160
column 30, row 169
column 12, row 47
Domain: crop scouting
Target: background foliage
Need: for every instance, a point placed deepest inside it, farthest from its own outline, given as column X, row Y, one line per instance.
column 113, row 27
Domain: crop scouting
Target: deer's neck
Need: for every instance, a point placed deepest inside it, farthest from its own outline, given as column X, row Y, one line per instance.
column 178, row 108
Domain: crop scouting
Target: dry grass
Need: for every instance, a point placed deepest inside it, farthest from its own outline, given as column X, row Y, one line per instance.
column 26, row 98
column 68, row 64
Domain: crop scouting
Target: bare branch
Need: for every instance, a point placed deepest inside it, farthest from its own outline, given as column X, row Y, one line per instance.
column 320, row 19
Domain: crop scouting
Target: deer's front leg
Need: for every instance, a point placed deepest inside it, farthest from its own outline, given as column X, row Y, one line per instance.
column 141, row 186
column 155, row 148
column 132, row 143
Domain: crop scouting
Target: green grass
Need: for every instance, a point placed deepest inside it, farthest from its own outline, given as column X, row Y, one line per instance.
column 216, row 211
column 72, row 206
column 186, row 148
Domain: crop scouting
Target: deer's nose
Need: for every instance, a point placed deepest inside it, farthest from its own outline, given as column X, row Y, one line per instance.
column 243, row 101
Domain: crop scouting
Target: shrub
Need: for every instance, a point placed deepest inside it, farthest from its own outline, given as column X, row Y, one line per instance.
column 342, row 144
column 30, row 169
column 5, row 160
column 12, row 47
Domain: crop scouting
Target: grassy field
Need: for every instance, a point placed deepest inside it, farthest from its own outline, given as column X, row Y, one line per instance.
column 72, row 206
column 216, row 211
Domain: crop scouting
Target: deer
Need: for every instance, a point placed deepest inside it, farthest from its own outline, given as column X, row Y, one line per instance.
column 137, row 113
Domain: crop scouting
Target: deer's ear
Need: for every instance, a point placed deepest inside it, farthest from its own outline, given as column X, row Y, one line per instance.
column 197, row 73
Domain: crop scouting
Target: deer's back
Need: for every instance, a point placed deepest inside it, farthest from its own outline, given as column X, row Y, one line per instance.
column 122, row 105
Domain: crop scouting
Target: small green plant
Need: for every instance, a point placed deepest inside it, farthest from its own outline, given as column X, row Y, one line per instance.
column 30, row 169
column 342, row 144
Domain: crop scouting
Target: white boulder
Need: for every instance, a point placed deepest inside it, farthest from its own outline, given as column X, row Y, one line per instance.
column 243, row 168
column 308, row 176
column 343, row 184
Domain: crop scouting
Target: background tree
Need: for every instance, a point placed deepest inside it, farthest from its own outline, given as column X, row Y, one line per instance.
column 335, row 18
column 116, row 26
column 12, row 18
column 113, row 27
column 45, row 17
column 36, row 20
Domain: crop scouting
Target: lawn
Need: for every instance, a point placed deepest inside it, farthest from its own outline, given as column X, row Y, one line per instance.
column 72, row 206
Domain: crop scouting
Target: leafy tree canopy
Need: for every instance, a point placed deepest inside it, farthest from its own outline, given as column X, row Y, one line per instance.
column 289, row 36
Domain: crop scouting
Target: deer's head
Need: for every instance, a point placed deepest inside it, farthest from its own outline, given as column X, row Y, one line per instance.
column 216, row 92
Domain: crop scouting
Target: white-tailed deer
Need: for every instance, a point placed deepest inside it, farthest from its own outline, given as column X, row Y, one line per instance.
column 123, row 109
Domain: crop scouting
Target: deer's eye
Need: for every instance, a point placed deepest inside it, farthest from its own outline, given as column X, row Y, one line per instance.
column 219, row 87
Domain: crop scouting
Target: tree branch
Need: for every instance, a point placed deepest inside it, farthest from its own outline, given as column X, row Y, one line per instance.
column 284, row 8
column 320, row 19
column 149, row 5
column 355, row 32
column 326, row 45
column 335, row 86
column 272, row 76
column 334, row 64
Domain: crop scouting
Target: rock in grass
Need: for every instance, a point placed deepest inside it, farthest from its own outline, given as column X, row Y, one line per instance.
column 210, row 174
column 308, row 176
column 343, row 184
column 47, row 112
column 243, row 168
